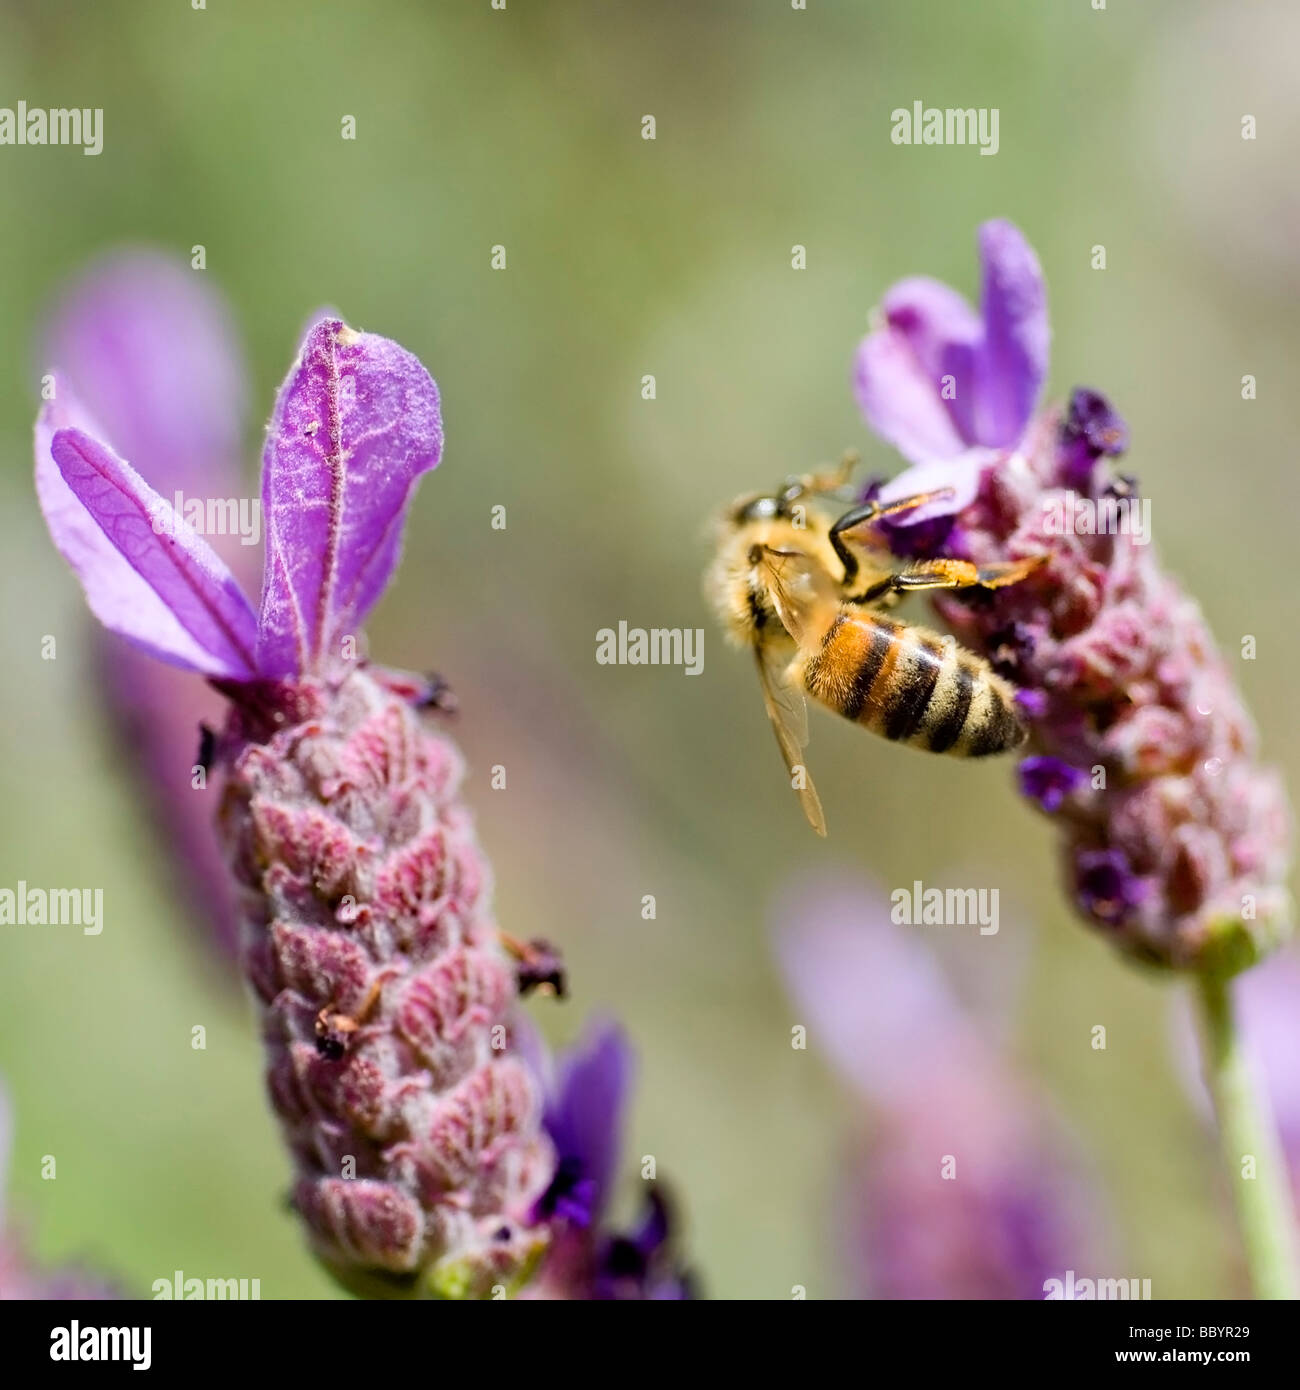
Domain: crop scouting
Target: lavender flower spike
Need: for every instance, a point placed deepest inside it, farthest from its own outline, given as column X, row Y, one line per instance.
column 1176, row 840
column 414, row 1126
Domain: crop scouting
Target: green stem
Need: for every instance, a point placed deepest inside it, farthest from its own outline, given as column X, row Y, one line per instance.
column 1247, row 1132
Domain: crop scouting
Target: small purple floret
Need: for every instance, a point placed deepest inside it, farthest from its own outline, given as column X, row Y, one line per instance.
column 1108, row 888
column 1048, row 781
column 1093, row 429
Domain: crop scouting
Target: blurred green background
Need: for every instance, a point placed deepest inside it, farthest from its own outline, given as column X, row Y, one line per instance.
column 626, row 257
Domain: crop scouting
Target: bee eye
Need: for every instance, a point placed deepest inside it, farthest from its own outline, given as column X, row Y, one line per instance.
column 759, row 509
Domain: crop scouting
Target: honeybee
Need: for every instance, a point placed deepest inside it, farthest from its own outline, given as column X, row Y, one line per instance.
column 806, row 592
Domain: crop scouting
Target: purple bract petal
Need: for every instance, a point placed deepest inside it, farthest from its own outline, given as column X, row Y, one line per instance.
column 902, row 404
column 356, row 423
column 1013, row 357
column 151, row 352
column 153, row 355
column 935, row 379
column 939, row 326
column 323, row 313
column 167, row 592
column 959, row 475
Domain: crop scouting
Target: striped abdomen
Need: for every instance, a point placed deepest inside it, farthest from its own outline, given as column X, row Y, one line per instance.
column 913, row 686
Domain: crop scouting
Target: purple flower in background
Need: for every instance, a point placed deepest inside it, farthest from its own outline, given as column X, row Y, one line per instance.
column 642, row 1265
column 20, row 1278
column 151, row 354
column 387, row 1001
column 967, row 1184
column 951, row 389
column 1178, row 844
column 585, row 1116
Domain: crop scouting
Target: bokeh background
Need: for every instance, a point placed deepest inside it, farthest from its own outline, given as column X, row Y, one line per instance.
column 627, row 257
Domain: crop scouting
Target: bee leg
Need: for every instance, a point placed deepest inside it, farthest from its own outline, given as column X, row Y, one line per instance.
column 820, row 484
column 950, row 574
column 832, row 479
column 862, row 517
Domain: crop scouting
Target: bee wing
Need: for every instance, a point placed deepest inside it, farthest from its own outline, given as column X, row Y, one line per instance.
column 788, row 711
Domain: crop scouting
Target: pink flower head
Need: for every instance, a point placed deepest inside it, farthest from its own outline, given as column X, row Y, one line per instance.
column 388, row 1003
column 1176, row 839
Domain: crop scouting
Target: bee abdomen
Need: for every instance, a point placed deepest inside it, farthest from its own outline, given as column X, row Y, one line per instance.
column 913, row 687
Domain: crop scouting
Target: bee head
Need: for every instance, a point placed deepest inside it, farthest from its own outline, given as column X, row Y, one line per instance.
column 767, row 506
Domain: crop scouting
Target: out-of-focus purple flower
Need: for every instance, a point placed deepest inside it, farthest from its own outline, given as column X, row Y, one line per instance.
column 152, row 354
column 585, row 1115
column 968, row 1185
column 643, row 1265
column 388, row 1001
column 953, row 390
column 20, row 1277
column 1048, row 781
column 1179, row 849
